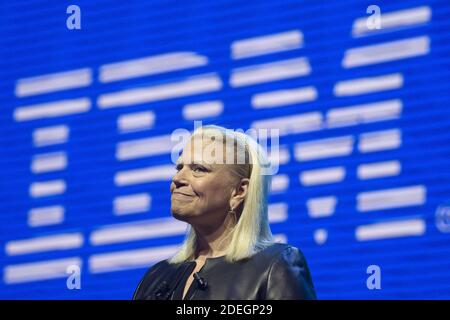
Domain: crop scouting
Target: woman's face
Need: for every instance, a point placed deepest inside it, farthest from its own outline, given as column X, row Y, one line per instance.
column 202, row 187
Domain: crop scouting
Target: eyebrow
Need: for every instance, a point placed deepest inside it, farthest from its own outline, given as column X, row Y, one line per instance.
column 194, row 163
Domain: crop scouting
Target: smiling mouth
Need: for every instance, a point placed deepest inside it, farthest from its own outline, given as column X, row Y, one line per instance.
column 182, row 194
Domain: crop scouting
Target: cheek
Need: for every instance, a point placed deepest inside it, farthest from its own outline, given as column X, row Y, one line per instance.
column 212, row 194
column 206, row 187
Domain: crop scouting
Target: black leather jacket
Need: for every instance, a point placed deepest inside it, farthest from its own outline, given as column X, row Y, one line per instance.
column 279, row 272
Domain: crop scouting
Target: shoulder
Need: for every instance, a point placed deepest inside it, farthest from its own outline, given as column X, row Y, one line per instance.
column 278, row 251
column 281, row 255
column 157, row 268
column 159, row 265
column 290, row 255
column 155, row 271
column 289, row 276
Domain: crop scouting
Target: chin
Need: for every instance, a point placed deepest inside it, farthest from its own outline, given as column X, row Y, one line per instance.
column 182, row 216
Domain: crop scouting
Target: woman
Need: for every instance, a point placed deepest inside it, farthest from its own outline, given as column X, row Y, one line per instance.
column 229, row 253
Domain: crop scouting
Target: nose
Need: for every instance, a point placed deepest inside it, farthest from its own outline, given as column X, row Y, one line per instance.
column 179, row 179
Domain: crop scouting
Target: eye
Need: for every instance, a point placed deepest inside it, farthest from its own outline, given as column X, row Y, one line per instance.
column 178, row 167
column 198, row 168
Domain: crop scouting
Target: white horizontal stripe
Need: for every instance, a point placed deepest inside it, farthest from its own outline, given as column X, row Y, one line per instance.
column 36, row 271
column 137, row 121
column 379, row 170
column 49, row 162
column 283, row 155
column 389, row 51
column 322, row 176
column 292, row 124
column 190, row 86
column 380, row 140
column 131, row 259
column 46, row 216
column 141, row 230
column 280, row 183
column 202, row 110
column 43, row 244
column 284, row 97
column 280, row 156
column 321, row 207
column 368, row 85
column 50, row 135
column 135, row 203
column 144, row 175
column 391, row 198
column 280, row 238
column 47, row 188
column 147, row 147
column 53, row 82
column 393, row 20
column 52, row 109
column 364, row 113
column 326, row 148
column 278, row 212
column 266, row 44
column 150, row 66
column 268, row 72
column 391, row 229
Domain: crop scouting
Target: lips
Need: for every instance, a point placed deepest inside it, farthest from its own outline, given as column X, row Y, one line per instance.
column 182, row 194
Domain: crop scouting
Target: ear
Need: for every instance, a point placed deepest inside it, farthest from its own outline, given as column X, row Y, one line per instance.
column 239, row 193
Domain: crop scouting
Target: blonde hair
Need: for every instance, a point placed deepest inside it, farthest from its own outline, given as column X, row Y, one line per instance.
column 252, row 232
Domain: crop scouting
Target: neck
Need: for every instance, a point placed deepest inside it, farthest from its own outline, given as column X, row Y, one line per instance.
column 214, row 241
